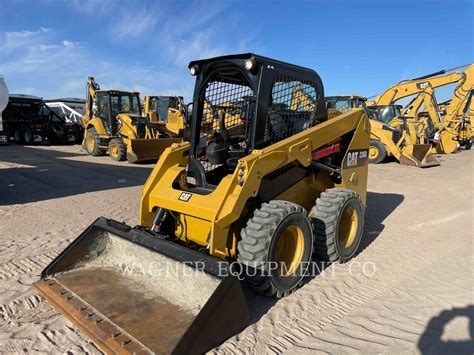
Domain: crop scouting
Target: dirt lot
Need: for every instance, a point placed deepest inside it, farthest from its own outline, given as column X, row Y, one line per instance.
column 410, row 288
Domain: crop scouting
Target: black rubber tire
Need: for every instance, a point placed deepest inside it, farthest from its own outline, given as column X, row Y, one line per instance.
column 468, row 145
column 381, row 149
column 28, row 136
column 18, row 136
column 79, row 138
column 95, row 151
column 258, row 245
column 121, row 149
column 326, row 217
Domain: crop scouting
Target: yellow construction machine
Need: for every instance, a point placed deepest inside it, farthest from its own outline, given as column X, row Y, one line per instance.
column 391, row 136
column 453, row 112
column 430, row 127
column 390, row 133
column 170, row 113
column 113, row 123
column 254, row 195
column 459, row 113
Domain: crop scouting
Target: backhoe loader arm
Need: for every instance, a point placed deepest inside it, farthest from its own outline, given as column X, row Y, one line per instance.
column 92, row 87
column 428, row 99
column 415, row 86
column 461, row 94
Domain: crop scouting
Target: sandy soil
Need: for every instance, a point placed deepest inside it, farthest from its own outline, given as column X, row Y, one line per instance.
column 409, row 290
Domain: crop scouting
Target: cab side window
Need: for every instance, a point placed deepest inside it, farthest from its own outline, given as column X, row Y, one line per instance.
column 293, row 106
column 163, row 109
column 102, row 105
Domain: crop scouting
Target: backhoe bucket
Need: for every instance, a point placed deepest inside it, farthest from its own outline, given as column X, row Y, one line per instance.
column 148, row 150
column 419, row 155
column 131, row 292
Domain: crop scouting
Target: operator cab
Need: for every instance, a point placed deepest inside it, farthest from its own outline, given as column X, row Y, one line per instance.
column 162, row 104
column 386, row 113
column 345, row 103
column 109, row 104
column 245, row 102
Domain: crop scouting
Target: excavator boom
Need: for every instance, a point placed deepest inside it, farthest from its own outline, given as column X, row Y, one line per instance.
column 415, row 86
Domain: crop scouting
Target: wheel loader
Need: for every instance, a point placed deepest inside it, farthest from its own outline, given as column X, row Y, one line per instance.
column 113, row 123
column 391, row 134
column 253, row 196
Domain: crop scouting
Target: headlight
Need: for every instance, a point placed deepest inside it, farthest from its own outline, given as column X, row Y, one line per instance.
column 251, row 64
column 194, row 70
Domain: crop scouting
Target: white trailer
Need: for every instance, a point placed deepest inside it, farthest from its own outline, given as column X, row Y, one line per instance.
column 70, row 109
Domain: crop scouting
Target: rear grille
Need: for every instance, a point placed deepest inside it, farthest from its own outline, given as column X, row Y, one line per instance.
column 396, row 135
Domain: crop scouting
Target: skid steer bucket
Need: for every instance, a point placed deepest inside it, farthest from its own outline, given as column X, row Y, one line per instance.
column 419, row 155
column 148, row 150
column 131, row 292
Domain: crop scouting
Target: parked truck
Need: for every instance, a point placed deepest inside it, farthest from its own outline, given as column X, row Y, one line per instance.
column 28, row 120
column 3, row 103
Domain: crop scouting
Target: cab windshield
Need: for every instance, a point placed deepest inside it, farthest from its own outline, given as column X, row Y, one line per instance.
column 124, row 103
column 343, row 104
column 385, row 113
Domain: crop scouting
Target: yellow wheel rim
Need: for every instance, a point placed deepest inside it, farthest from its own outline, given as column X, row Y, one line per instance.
column 289, row 250
column 90, row 143
column 114, row 150
column 348, row 227
column 373, row 152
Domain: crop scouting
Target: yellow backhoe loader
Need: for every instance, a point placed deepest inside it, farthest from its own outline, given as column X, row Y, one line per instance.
column 390, row 133
column 113, row 123
column 254, row 195
column 453, row 111
column 431, row 127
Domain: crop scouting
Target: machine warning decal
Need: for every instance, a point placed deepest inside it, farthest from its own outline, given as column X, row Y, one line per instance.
column 355, row 158
column 185, row 196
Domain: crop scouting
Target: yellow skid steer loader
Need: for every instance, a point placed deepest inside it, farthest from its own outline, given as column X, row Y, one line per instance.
column 256, row 193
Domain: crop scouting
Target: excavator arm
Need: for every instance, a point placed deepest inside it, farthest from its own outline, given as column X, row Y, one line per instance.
column 461, row 94
column 415, row 86
column 444, row 136
column 428, row 99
